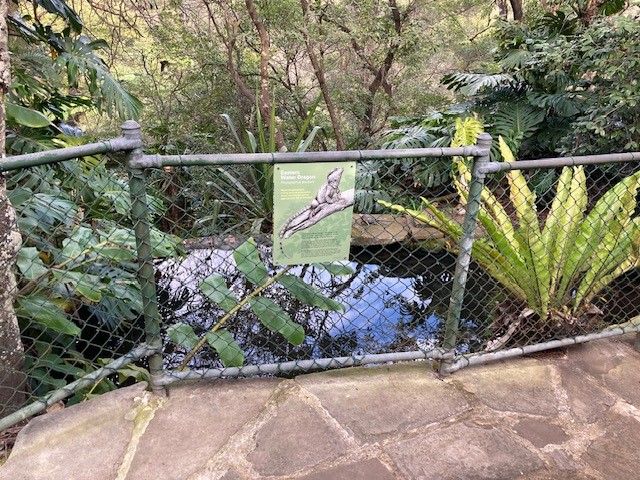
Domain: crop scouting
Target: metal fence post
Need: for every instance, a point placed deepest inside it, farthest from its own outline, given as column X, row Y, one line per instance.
column 463, row 261
column 146, row 276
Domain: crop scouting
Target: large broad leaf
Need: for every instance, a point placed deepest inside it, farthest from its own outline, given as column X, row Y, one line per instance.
column 88, row 286
column 79, row 241
column 183, row 335
column 63, row 10
column 248, row 261
column 596, row 225
column 472, row 83
column 109, row 96
column 337, row 268
column 56, row 363
column 25, row 116
column 532, row 250
column 215, row 289
column 561, row 227
column 309, row 295
column 46, row 313
column 30, row 263
column 467, row 132
column 164, row 245
column 229, row 351
column 276, row 320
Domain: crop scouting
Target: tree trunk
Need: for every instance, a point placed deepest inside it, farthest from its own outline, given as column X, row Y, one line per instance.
column 12, row 377
column 503, row 10
column 319, row 73
column 264, row 102
column 516, row 6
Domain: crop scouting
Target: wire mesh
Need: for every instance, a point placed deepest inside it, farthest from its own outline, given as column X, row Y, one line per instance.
column 563, row 244
column 555, row 257
column 390, row 296
column 78, row 300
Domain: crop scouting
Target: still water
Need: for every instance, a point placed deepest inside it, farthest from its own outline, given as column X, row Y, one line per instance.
column 396, row 300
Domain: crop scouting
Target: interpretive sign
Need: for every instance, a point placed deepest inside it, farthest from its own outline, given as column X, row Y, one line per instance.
column 313, row 210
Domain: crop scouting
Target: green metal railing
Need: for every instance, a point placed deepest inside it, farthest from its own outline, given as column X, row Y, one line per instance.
column 168, row 286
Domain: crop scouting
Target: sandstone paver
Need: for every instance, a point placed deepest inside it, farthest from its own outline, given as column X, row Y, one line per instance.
column 615, row 453
column 87, row 440
column 463, row 451
column 208, row 413
column 296, row 437
column 370, row 469
column 587, row 400
column 502, row 387
column 540, row 432
column 378, row 402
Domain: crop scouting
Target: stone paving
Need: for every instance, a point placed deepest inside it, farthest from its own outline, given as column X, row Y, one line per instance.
column 566, row 414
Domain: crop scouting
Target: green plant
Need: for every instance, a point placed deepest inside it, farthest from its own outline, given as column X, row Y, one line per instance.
column 565, row 84
column 383, row 179
column 554, row 268
column 57, row 75
column 78, row 297
column 215, row 289
column 251, row 188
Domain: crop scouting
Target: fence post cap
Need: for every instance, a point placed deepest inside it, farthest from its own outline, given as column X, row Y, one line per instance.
column 130, row 129
column 484, row 138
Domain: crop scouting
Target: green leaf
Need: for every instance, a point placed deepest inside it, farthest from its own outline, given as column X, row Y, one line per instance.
column 248, row 261
column 234, row 132
column 532, row 249
column 30, row 263
column 309, row 295
column 88, row 286
column 46, row 313
column 276, row 320
column 183, row 335
column 25, row 116
column 80, row 239
column 336, row 268
column 229, row 351
column 63, row 10
column 215, row 289
column 298, row 144
column 472, row 83
column 139, row 374
column 56, row 363
column 43, row 377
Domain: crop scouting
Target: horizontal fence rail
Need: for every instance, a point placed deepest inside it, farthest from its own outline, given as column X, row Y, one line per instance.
column 54, row 156
column 159, row 161
column 160, row 267
column 495, row 167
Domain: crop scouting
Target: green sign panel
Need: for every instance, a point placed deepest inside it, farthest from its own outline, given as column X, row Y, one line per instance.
column 313, row 210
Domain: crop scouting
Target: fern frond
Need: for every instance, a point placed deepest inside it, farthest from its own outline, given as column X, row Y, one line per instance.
column 472, row 83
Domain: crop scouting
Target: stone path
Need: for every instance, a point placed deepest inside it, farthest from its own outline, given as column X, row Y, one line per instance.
column 570, row 414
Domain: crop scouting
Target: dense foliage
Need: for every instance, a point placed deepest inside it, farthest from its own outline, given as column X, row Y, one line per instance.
column 553, row 269
column 563, row 86
column 564, row 79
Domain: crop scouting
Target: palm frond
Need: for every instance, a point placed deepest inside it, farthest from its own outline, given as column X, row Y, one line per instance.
column 516, row 122
column 472, row 83
column 79, row 59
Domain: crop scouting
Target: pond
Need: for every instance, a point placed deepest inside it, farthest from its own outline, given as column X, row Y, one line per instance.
column 396, row 300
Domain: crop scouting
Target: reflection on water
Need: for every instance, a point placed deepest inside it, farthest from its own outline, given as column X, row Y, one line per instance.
column 396, row 300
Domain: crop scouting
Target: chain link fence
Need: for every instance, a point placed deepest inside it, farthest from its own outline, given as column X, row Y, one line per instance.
column 162, row 271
